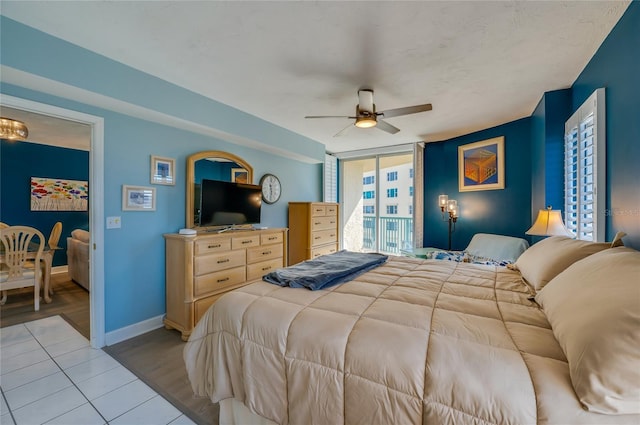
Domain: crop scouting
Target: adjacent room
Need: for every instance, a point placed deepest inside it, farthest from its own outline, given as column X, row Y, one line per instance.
column 320, row 212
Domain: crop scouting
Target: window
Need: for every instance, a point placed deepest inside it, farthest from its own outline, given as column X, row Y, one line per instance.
column 410, row 209
column 392, row 225
column 410, row 173
column 392, row 176
column 584, row 169
column 410, row 190
column 369, row 209
column 369, row 180
column 369, row 224
column 392, row 209
column 392, row 193
column 369, row 194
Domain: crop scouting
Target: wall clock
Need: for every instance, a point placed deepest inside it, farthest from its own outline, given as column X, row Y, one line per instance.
column 271, row 188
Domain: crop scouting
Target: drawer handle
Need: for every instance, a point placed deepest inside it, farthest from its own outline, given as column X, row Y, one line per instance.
column 332, row 235
column 273, row 238
column 317, row 237
column 244, row 242
column 332, row 222
column 266, row 252
column 223, row 280
column 317, row 223
column 215, row 246
column 264, row 269
column 226, row 260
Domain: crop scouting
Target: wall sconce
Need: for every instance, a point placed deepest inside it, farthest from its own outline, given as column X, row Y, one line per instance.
column 548, row 223
column 451, row 207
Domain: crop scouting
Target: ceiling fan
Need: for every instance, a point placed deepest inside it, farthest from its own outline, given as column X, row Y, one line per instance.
column 367, row 117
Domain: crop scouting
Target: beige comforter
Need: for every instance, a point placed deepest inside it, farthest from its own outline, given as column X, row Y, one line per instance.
column 410, row 342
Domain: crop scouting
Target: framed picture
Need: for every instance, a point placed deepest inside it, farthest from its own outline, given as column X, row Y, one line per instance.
column 49, row 194
column 239, row 175
column 138, row 198
column 481, row 165
column 162, row 170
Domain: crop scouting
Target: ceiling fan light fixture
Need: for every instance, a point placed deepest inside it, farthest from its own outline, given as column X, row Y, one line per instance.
column 366, row 122
column 11, row 129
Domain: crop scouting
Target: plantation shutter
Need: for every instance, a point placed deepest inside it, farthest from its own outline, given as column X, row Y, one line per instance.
column 330, row 178
column 584, row 172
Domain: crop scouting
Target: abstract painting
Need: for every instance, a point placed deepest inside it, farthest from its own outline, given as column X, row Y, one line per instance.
column 49, row 194
column 481, row 165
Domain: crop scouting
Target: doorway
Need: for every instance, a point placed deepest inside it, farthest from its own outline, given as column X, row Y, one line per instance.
column 96, row 204
column 378, row 203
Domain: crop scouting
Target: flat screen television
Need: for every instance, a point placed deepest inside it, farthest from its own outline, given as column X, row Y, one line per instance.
column 228, row 204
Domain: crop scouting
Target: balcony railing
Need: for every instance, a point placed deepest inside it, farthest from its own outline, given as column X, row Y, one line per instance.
column 396, row 233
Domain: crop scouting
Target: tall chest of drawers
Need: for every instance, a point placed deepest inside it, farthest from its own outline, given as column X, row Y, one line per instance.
column 313, row 230
column 202, row 268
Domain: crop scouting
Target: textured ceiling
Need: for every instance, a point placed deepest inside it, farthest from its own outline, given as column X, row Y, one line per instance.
column 479, row 63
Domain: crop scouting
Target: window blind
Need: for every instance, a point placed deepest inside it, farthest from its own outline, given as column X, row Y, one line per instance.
column 330, row 178
column 585, row 177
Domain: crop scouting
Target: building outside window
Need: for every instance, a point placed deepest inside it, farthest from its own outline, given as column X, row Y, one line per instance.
column 392, row 209
column 410, row 190
column 369, row 209
column 369, row 180
column 392, row 193
column 369, row 194
column 392, row 176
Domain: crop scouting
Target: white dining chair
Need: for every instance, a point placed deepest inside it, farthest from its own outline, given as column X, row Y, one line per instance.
column 19, row 244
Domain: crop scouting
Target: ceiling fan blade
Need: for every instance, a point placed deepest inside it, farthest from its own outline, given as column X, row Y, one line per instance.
column 343, row 131
column 405, row 111
column 385, row 126
column 329, row 116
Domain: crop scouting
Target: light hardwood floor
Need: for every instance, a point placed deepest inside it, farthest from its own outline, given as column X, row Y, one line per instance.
column 154, row 357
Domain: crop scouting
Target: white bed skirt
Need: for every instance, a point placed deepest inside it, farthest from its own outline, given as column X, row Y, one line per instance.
column 233, row 412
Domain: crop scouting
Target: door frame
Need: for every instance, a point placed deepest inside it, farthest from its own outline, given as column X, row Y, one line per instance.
column 96, row 204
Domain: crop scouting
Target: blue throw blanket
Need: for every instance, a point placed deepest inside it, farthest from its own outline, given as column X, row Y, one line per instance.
column 326, row 270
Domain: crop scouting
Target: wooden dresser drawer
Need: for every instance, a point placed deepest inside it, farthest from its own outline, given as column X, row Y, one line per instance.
column 324, row 250
column 332, row 210
column 318, row 210
column 322, row 237
column 271, row 238
column 215, row 262
column 324, row 223
column 256, row 271
column 210, row 246
column 261, row 253
column 239, row 242
column 214, row 282
column 202, row 305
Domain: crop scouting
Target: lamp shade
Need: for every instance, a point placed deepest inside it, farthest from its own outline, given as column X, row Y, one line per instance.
column 548, row 223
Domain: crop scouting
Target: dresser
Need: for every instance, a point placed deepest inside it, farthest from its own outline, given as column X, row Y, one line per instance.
column 313, row 230
column 202, row 268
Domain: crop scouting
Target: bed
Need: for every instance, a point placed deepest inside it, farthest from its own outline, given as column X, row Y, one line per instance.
column 551, row 339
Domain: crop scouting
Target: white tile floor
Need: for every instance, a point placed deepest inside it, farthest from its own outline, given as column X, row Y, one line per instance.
column 51, row 375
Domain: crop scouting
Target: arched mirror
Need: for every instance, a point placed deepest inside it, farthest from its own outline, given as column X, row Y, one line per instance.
column 212, row 165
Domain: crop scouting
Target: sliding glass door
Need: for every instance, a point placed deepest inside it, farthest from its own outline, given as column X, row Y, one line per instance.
column 378, row 203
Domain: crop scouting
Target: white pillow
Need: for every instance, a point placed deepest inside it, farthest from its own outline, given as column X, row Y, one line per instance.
column 594, row 310
column 547, row 258
column 496, row 247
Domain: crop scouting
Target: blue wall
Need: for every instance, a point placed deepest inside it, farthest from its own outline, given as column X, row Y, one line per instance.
column 19, row 162
column 505, row 211
column 547, row 150
column 616, row 66
column 134, row 254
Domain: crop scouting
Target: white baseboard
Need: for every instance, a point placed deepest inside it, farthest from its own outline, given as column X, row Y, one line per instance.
column 59, row 269
column 134, row 330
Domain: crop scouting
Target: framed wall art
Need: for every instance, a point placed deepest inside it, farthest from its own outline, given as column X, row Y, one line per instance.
column 163, row 170
column 239, row 175
column 49, row 194
column 138, row 198
column 481, row 165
